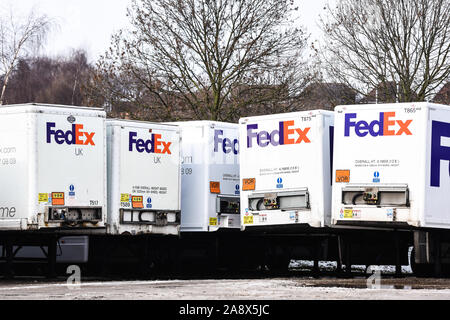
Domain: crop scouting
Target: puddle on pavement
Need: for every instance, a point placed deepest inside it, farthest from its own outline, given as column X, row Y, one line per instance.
column 374, row 286
column 383, row 283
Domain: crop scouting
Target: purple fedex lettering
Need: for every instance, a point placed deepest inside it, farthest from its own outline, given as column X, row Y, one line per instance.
column 438, row 152
column 140, row 144
column 150, row 146
column 251, row 134
column 286, row 134
column 227, row 144
column 74, row 136
column 264, row 138
column 383, row 125
column 362, row 128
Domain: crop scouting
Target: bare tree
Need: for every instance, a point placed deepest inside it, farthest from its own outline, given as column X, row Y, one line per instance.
column 403, row 44
column 17, row 38
column 206, row 59
column 57, row 80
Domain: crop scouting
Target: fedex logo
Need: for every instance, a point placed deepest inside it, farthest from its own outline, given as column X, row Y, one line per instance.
column 438, row 151
column 228, row 145
column 75, row 136
column 384, row 126
column 286, row 134
column 153, row 145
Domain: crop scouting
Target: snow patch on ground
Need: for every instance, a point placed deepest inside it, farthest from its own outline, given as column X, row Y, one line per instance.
column 332, row 265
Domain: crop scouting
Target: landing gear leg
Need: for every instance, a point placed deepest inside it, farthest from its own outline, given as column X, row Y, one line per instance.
column 348, row 262
column 9, row 274
column 316, row 269
column 339, row 256
column 51, row 257
column 398, row 267
column 437, row 260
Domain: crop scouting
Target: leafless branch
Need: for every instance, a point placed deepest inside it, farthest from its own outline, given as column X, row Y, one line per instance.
column 17, row 39
column 388, row 43
column 213, row 58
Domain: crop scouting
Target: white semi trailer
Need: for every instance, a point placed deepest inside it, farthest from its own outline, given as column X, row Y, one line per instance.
column 52, row 159
column 209, row 176
column 286, row 174
column 286, row 169
column 210, row 189
column 144, row 179
column 391, row 165
column 391, row 172
column 53, row 172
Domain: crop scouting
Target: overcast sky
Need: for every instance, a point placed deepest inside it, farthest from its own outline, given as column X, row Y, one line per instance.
column 89, row 24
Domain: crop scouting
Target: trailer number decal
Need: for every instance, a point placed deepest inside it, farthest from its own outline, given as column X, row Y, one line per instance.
column 214, row 186
column 43, row 197
column 138, row 202
column 248, row 184
column 248, row 220
column 213, row 221
column 58, row 198
column 342, row 176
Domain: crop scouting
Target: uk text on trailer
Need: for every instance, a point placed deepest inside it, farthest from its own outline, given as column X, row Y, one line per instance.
column 286, row 169
column 209, row 176
column 53, row 158
column 144, row 179
column 392, row 170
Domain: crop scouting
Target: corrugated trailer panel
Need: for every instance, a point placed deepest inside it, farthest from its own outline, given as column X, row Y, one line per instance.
column 57, row 165
column 383, row 162
column 286, row 169
column 143, row 178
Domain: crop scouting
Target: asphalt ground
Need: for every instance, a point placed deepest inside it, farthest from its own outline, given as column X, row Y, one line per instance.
column 293, row 288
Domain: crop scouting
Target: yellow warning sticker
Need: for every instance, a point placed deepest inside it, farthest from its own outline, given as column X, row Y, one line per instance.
column 248, row 220
column 124, row 197
column 43, row 197
column 348, row 214
column 213, row 221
